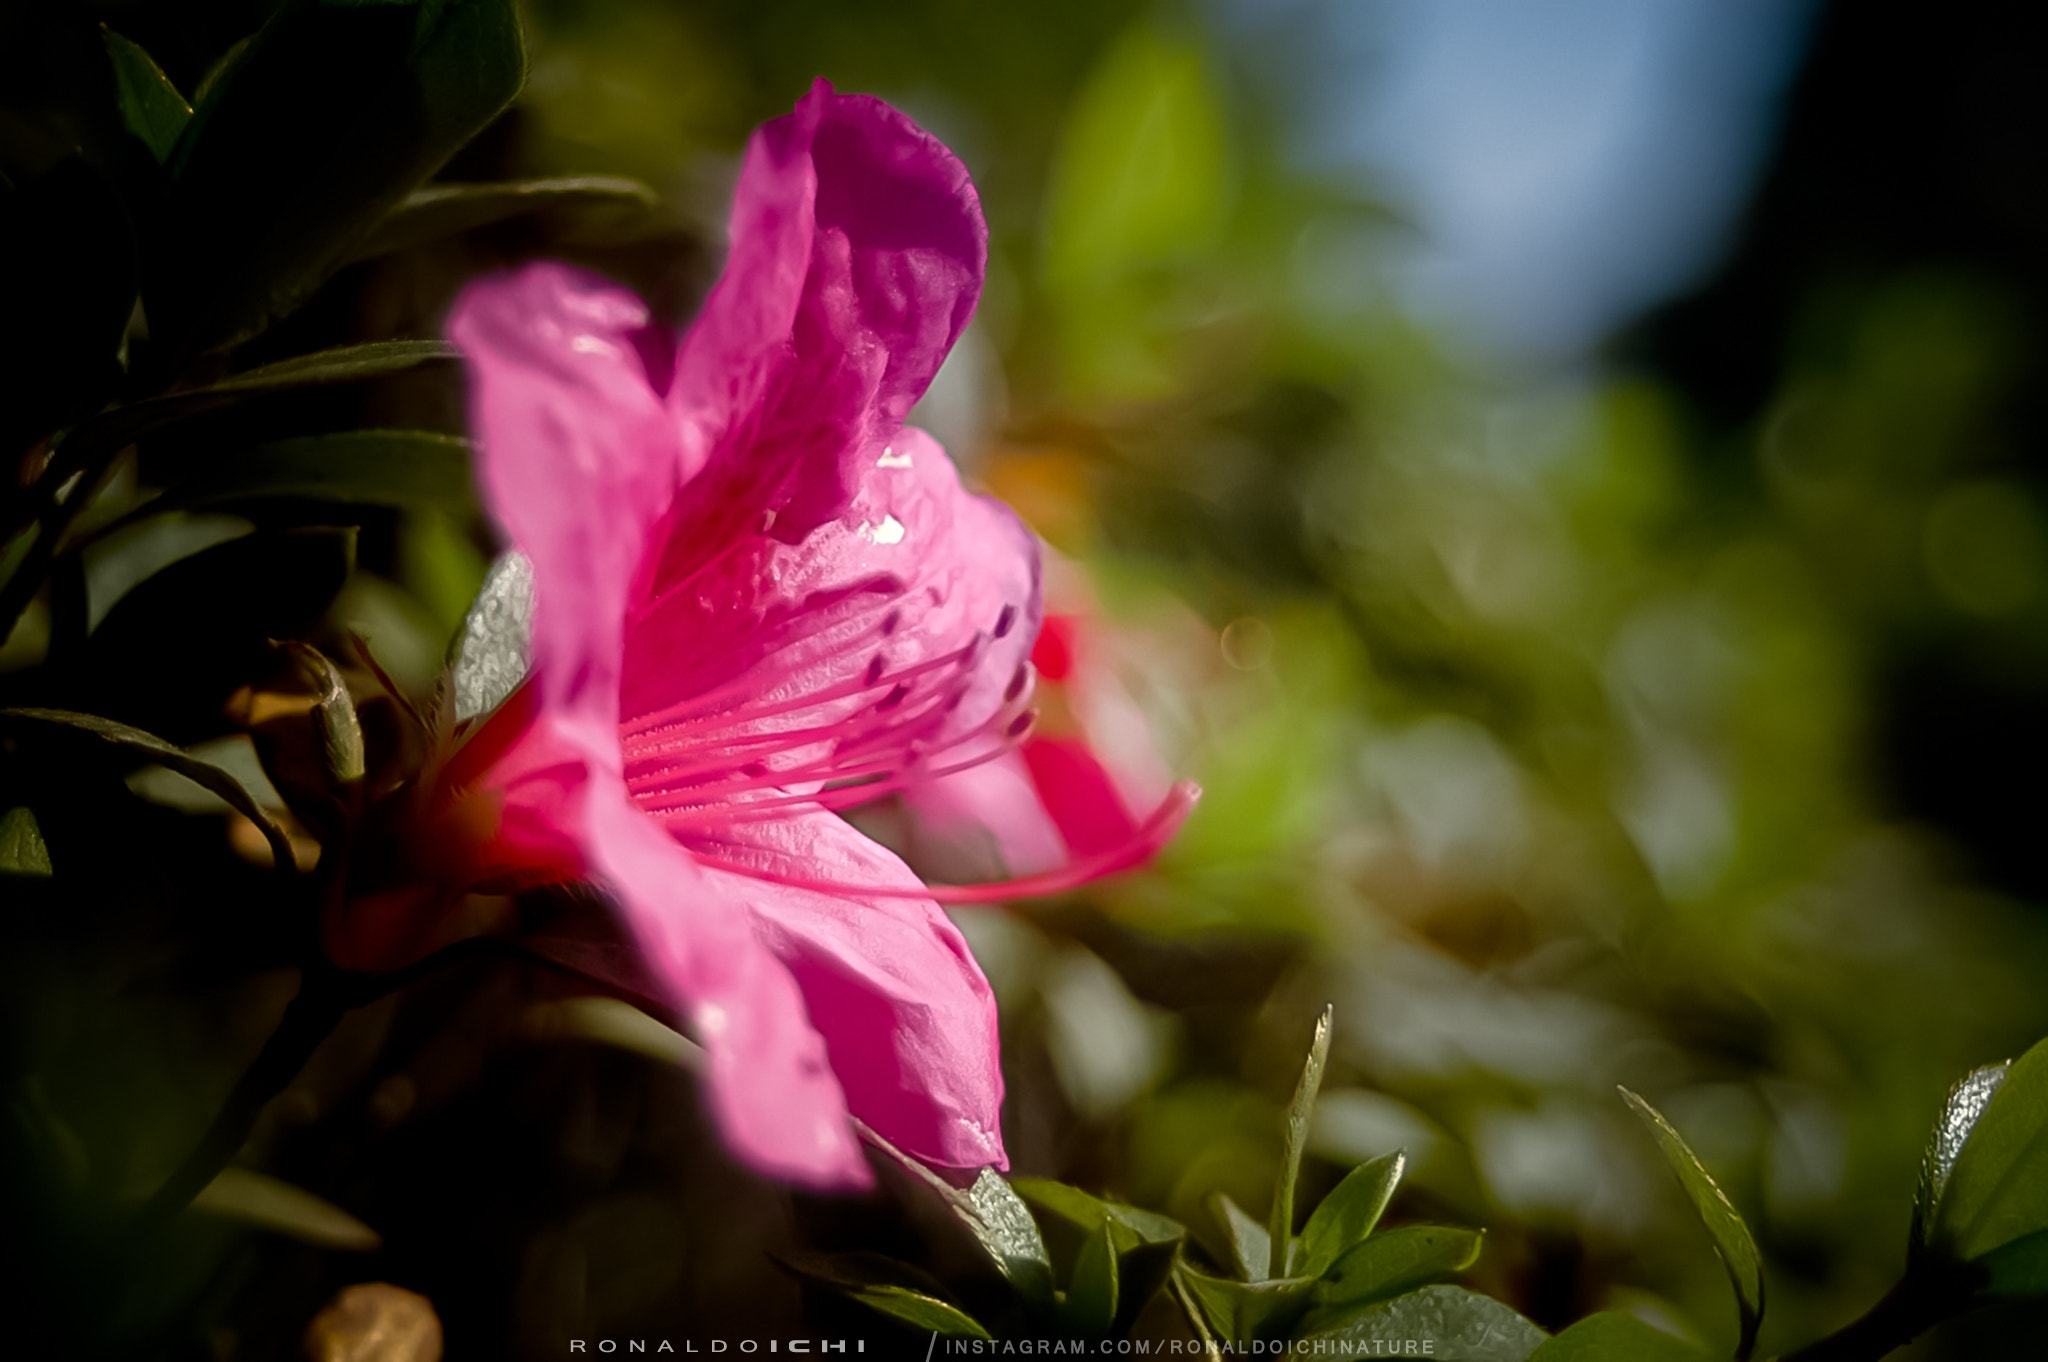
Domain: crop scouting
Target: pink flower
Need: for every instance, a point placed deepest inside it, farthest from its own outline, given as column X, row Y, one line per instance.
column 1085, row 794
column 759, row 597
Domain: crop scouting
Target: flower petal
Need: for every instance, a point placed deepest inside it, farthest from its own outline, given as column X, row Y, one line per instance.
column 987, row 823
column 858, row 254
column 907, row 1017
column 577, row 457
column 873, row 650
column 770, row 1083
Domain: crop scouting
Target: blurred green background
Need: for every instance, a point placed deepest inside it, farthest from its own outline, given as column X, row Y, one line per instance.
column 1566, row 479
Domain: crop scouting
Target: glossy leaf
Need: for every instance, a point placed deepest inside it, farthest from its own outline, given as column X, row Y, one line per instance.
column 106, row 433
column 440, row 210
column 2019, row 1268
column 1300, row 1111
column 1388, row 1265
column 151, row 107
column 148, row 747
column 1250, row 1245
column 1351, row 1211
column 22, row 849
column 306, row 141
column 1091, row 1300
column 1464, row 1326
column 1959, row 1115
column 495, row 649
column 1080, row 1208
column 1243, row 1311
column 1614, row 1337
column 1005, row 1228
column 258, row 1199
column 1997, row 1188
column 360, row 467
column 890, row 1288
column 1724, row 1225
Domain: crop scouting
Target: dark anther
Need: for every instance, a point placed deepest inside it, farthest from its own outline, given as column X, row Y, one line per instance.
column 894, row 697
column 874, row 669
column 1018, row 680
column 1006, row 621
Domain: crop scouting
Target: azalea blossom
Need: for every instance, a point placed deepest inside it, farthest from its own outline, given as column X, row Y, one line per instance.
column 758, row 599
column 1086, row 788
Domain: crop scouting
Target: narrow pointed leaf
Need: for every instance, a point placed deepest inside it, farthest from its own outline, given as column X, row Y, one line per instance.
column 1614, row 1337
column 1997, row 1188
column 326, row 121
column 106, row 433
column 1464, row 1326
column 1724, row 1225
column 257, row 1199
column 993, row 1213
column 1351, row 1211
column 1389, row 1265
column 1091, row 1300
column 1250, row 1246
column 1000, row 1220
column 22, row 849
column 890, row 1288
column 1300, row 1111
column 151, row 107
column 1959, row 1115
column 362, row 467
column 149, row 747
column 1243, row 1311
column 440, row 210
column 1080, row 1208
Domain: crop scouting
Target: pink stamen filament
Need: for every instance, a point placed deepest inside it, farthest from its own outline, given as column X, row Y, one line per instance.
column 1143, row 843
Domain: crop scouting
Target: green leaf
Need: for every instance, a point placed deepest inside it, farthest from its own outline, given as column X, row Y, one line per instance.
column 1389, row 1265
column 888, row 1287
column 1614, row 1337
column 1300, row 1111
column 151, row 107
column 1966, row 1102
column 152, row 748
column 993, row 1214
column 306, row 141
column 2019, row 1268
column 256, row 1199
column 1005, row 1228
column 360, row 467
column 106, row 433
column 22, row 849
column 1080, row 1208
column 440, row 210
column 1349, row 1213
column 1091, row 1299
column 1464, row 1326
column 1724, row 1226
column 495, row 648
column 1244, row 1311
column 1997, row 1187
column 1250, row 1246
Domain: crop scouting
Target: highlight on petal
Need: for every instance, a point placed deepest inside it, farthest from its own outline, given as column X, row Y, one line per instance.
column 908, row 1019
